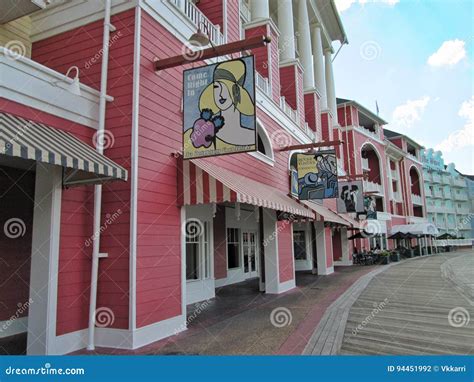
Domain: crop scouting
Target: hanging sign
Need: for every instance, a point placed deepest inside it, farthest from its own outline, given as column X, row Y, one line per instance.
column 219, row 109
column 294, row 182
column 350, row 197
column 370, row 208
column 317, row 175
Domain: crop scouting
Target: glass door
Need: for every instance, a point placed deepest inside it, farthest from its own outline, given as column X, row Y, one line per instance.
column 250, row 253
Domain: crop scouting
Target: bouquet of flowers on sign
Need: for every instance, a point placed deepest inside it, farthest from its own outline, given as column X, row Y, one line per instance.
column 205, row 129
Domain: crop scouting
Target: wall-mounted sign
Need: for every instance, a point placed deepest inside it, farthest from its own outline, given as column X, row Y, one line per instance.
column 219, row 109
column 294, row 182
column 370, row 208
column 317, row 175
column 350, row 197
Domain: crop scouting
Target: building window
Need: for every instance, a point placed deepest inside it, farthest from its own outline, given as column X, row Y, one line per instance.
column 260, row 145
column 197, row 250
column 299, row 245
column 233, row 248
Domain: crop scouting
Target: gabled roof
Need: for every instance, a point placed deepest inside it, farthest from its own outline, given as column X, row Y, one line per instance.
column 390, row 134
column 363, row 109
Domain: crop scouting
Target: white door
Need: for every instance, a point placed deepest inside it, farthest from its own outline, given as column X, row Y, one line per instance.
column 250, row 253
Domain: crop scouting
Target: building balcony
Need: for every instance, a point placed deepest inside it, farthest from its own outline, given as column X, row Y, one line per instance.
column 462, row 210
column 372, row 187
column 394, row 174
column 427, row 177
column 451, row 225
column 289, row 111
column 370, row 133
column 459, row 182
column 263, row 84
column 441, row 224
column 428, row 193
column 194, row 15
column 435, row 178
column 446, row 179
column 438, row 194
column 397, row 196
column 417, row 199
column 460, row 196
column 34, row 85
column 245, row 11
column 412, row 157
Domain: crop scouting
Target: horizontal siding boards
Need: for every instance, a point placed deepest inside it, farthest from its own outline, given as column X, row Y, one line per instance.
column 289, row 85
column 82, row 47
column 285, row 251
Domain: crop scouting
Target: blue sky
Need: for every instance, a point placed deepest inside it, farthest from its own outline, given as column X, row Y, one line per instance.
column 415, row 57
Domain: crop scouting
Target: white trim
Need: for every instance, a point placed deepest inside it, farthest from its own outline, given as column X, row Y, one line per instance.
column 224, row 19
column 13, row 326
column 286, row 286
column 134, row 172
column 159, row 330
column 183, row 262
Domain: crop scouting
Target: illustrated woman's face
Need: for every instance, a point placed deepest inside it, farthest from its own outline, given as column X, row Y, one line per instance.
column 222, row 97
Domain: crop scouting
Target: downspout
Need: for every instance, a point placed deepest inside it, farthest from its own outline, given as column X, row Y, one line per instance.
column 98, row 188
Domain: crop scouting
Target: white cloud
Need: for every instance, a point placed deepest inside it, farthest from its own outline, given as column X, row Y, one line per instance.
column 405, row 115
column 465, row 136
column 343, row 5
column 449, row 53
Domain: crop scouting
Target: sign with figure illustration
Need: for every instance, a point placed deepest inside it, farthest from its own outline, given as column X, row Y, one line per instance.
column 370, row 208
column 219, row 109
column 350, row 197
column 294, row 182
column 317, row 175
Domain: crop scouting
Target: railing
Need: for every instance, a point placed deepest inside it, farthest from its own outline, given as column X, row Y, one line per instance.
column 453, row 242
column 436, row 178
column 245, row 11
column 397, row 196
column 308, row 131
column 428, row 192
column 446, row 179
column 427, row 177
column 460, row 196
column 262, row 83
column 416, row 199
column 459, row 182
column 372, row 187
column 289, row 111
column 197, row 18
column 447, row 194
column 365, row 164
column 462, row 210
column 412, row 157
column 394, row 174
column 370, row 132
column 437, row 193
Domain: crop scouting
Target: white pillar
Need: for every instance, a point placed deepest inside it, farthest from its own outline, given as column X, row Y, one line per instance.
column 44, row 261
column 270, row 241
column 259, row 9
column 304, row 44
column 346, row 253
column 318, row 64
column 330, row 88
column 286, row 42
column 321, row 248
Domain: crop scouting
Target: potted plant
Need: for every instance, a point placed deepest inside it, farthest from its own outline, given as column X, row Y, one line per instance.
column 384, row 257
column 395, row 256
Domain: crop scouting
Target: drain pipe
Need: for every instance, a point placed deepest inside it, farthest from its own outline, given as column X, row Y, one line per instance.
column 99, row 141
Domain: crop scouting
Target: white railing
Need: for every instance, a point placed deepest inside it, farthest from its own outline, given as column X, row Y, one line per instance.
column 369, row 132
column 308, row 131
column 372, row 187
column 416, row 199
column 428, row 192
column 436, row 178
column 365, row 164
column 394, row 174
column 412, row 157
column 437, row 193
column 245, row 11
column 197, row 18
column 462, row 210
column 459, row 182
column 453, row 242
column 447, row 194
column 262, row 83
column 289, row 111
column 460, row 196
column 397, row 196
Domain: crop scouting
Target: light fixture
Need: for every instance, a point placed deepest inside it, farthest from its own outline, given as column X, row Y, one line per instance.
column 200, row 38
column 74, row 86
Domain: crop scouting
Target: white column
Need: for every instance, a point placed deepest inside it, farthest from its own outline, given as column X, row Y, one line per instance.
column 321, row 248
column 346, row 254
column 330, row 88
column 304, row 44
column 270, row 240
column 259, row 9
column 286, row 42
column 44, row 261
column 318, row 65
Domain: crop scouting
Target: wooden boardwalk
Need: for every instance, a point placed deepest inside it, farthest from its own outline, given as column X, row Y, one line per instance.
column 403, row 309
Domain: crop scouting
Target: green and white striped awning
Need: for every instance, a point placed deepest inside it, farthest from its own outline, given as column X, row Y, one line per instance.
column 22, row 138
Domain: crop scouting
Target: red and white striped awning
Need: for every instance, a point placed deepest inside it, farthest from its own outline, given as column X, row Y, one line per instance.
column 203, row 182
column 325, row 214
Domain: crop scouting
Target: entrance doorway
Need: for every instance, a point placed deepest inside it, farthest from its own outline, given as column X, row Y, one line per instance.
column 250, row 253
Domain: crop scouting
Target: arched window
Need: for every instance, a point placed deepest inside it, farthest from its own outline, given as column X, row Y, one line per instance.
column 264, row 146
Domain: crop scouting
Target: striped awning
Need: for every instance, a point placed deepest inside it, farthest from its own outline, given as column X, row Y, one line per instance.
column 203, row 182
column 325, row 214
column 31, row 140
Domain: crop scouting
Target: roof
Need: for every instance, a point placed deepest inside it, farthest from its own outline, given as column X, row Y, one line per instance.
column 363, row 109
column 333, row 23
column 390, row 134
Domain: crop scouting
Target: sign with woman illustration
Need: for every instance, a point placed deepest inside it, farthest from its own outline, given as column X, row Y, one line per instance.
column 219, row 109
column 350, row 198
column 317, row 175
